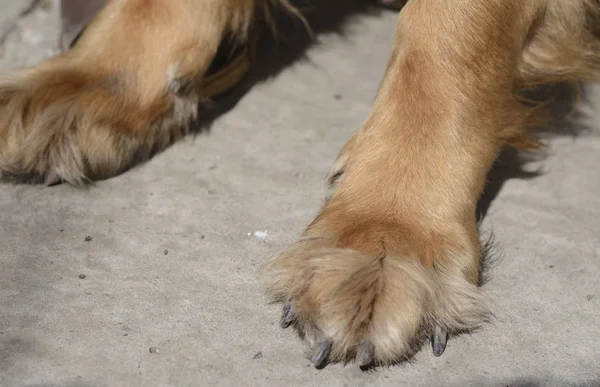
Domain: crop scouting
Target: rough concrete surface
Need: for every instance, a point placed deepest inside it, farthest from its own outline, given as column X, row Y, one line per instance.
column 10, row 11
column 150, row 278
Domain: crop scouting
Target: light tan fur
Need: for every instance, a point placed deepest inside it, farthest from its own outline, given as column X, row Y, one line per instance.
column 394, row 256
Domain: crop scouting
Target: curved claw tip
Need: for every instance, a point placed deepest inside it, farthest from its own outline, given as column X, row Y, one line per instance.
column 287, row 316
column 439, row 338
column 321, row 354
column 365, row 354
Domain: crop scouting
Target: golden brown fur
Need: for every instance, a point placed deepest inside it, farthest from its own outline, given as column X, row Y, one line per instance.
column 94, row 110
column 394, row 255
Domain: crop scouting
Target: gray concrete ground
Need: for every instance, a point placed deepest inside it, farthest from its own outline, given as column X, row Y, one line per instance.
column 164, row 291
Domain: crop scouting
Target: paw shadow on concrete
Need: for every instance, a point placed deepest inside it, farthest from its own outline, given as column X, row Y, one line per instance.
column 277, row 51
column 565, row 119
column 568, row 117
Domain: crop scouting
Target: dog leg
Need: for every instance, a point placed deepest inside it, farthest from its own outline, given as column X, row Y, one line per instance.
column 126, row 90
column 394, row 255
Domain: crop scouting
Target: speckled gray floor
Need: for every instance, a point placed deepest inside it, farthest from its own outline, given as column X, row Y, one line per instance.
column 169, row 264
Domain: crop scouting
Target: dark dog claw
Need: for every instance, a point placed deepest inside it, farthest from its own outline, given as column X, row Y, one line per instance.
column 287, row 316
column 438, row 341
column 321, row 353
column 365, row 354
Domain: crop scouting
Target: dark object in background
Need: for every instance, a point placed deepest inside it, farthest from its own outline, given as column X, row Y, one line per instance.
column 75, row 15
column 394, row 4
